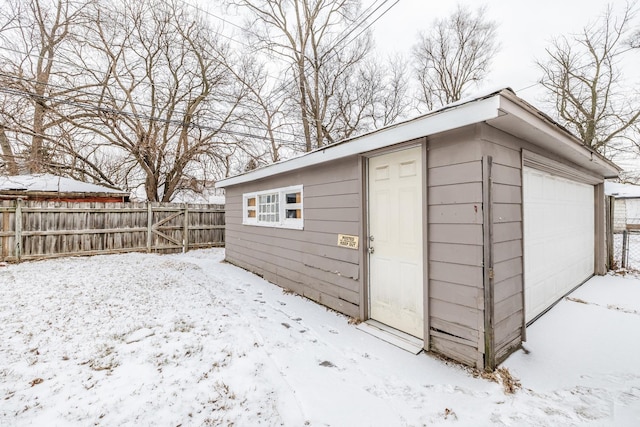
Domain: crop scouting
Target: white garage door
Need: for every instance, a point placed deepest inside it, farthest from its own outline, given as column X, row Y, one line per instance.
column 558, row 238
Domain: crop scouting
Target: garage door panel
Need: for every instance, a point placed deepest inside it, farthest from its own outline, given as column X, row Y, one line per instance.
column 558, row 237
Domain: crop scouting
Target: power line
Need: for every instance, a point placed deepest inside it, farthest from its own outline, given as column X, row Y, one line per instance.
column 285, row 84
column 180, row 112
column 341, row 37
column 337, row 51
column 140, row 116
column 218, row 33
column 86, row 68
column 344, row 35
column 362, row 19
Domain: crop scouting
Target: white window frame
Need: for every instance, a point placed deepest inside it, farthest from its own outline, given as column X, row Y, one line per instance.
column 253, row 215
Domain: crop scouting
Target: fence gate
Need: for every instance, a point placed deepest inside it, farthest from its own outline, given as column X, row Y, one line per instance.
column 168, row 228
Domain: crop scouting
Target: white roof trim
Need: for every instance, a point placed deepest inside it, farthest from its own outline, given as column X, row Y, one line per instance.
column 556, row 139
column 501, row 109
column 440, row 121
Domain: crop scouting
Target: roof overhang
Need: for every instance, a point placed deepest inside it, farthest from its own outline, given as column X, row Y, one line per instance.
column 500, row 109
column 524, row 121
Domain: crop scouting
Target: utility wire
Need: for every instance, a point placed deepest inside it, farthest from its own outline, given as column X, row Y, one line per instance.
column 285, row 84
column 342, row 37
column 137, row 103
column 116, row 112
column 337, row 50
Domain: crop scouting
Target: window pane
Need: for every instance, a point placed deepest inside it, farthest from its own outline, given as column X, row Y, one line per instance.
column 264, row 208
column 294, row 213
column 268, row 208
column 293, row 198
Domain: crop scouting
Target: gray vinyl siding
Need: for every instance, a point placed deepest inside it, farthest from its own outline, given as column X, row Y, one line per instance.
column 508, row 311
column 474, row 226
column 507, row 245
column 308, row 261
column 455, row 241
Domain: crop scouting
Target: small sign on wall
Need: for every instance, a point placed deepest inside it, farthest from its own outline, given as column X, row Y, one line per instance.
column 347, row 241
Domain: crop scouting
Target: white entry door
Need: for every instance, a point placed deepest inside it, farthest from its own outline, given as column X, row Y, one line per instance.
column 559, row 237
column 395, row 240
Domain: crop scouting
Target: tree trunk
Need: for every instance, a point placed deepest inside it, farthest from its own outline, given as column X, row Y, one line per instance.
column 35, row 155
column 303, row 108
column 7, row 153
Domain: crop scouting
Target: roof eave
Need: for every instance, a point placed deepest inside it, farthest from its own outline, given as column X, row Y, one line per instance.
column 501, row 109
column 468, row 113
column 522, row 120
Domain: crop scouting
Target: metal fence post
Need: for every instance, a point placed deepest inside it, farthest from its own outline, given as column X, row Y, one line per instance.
column 610, row 206
column 18, row 222
column 625, row 242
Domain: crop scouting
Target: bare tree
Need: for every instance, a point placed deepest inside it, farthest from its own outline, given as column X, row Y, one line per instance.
column 374, row 95
column 585, row 85
column 36, row 34
column 264, row 113
column 315, row 40
column 634, row 42
column 166, row 99
column 394, row 102
column 454, row 55
column 10, row 165
column 8, row 158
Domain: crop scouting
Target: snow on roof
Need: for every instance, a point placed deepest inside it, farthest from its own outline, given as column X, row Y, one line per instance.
column 360, row 143
column 51, row 183
column 621, row 191
column 207, row 196
column 502, row 109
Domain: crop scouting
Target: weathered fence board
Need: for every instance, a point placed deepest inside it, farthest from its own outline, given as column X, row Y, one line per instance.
column 34, row 230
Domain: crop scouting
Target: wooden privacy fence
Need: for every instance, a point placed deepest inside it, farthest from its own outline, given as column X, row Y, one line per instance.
column 34, row 230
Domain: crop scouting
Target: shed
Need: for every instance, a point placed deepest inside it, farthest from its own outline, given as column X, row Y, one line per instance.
column 455, row 229
column 47, row 187
column 626, row 208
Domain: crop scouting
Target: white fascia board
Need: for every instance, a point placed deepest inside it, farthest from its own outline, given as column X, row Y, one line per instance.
column 515, row 107
column 453, row 118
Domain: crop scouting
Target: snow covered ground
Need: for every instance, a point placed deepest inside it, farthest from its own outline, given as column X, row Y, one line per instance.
column 187, row 340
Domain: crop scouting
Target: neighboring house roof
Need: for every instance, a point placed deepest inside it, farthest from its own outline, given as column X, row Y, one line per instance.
column 501, row 109
column 47, row 183
column 621, row 191
column 207, row 196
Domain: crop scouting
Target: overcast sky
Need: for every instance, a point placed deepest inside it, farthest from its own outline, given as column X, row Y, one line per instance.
column 525, row 28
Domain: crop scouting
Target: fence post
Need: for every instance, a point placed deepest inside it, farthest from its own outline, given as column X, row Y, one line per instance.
column 18, row 222
column 149, row 226
column 185, row 233
column 5, row 227
column 611, row 201
column 625, row 237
